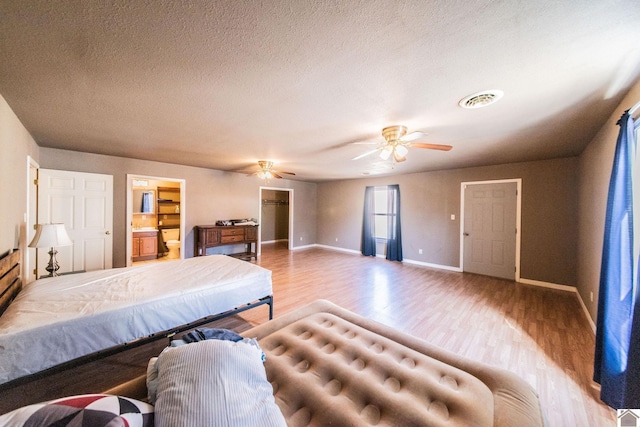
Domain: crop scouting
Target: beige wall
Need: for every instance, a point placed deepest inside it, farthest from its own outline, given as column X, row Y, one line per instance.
column 595, row 172
column 210, row 194
column 16, row 144
column 549, row 203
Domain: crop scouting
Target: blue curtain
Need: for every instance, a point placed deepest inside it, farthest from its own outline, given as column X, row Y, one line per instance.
column 368, row 237
column 617, row 353
column 394, row 241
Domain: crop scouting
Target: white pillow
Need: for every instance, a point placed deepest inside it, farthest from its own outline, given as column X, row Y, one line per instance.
column 214, row 382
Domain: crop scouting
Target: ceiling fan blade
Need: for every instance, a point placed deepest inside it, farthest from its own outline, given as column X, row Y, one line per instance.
column 366, row 143
column 432, row 146
column 413, row 136
column 286, row 173
column 275, row 175
column 366, row 154
column 249, row 173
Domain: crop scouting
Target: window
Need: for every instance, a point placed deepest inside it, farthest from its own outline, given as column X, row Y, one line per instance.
column 380, row 212
column 381, row 221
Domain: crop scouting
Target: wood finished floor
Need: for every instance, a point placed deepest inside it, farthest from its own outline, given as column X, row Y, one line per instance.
column 540, row 334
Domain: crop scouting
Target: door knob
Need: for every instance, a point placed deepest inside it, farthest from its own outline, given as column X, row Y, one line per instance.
column 107, row 232
column 465, row 234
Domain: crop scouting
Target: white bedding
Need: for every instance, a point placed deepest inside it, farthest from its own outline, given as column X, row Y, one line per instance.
column 58, row 319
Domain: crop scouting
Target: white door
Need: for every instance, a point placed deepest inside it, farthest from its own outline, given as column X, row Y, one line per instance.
column 83, row 202
column 490, row 229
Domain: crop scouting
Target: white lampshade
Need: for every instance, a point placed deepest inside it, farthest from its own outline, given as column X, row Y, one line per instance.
column 50, row 236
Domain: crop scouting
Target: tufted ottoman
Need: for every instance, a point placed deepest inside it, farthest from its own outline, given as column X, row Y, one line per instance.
column 329, row 366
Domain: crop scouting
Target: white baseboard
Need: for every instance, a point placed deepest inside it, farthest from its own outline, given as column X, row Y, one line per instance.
column 586, row 312
column 296, row 248
column 563, row 288
column 430, row 265
column 335, row 248
column 548, row 285
column 269, row 242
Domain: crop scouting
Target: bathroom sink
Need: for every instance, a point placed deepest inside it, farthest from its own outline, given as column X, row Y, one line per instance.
column 145, row 229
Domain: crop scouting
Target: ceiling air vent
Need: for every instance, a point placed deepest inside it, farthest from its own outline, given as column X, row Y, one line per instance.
column 481, row 99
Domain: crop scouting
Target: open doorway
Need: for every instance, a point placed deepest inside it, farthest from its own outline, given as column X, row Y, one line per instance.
column 155, row 219
column 276, row 216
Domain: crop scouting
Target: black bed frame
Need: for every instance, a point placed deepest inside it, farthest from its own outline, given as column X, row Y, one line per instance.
column 168, row 334
column 26, row 389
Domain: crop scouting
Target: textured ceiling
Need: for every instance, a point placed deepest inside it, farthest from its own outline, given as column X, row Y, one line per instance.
column 222, row 84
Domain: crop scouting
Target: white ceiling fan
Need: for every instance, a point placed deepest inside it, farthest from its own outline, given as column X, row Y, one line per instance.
column 397, row 143
column 267, row 172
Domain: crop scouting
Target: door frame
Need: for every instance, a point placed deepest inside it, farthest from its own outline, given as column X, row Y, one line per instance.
column 518, row 181
column 129, row 209
column 290, row 191
column 31, row 219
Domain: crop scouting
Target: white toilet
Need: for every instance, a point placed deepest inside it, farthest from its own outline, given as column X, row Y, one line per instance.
column 171, row 238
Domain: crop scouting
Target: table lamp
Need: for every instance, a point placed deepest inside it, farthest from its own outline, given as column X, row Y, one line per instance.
column 51, row 236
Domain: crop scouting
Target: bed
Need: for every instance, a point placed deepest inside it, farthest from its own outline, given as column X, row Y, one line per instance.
column 58, row 322
column 329, row 366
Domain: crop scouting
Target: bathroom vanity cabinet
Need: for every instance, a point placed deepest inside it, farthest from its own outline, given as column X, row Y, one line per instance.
column 144, row 245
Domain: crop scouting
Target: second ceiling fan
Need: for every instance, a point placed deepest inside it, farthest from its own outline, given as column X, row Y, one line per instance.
column 267, row 172
column 397, row 143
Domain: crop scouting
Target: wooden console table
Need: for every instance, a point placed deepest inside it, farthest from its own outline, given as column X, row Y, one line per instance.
column 211, row 236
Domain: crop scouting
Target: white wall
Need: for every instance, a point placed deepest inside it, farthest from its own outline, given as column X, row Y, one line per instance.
column 16, row 144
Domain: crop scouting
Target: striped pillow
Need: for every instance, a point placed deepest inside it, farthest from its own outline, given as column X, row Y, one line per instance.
column 214, row 382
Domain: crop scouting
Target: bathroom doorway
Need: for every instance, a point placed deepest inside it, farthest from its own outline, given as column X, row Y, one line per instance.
column 155, row 219
column 276, row 216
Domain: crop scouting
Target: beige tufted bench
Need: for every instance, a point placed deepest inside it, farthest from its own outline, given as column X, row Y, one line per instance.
column 329, row 366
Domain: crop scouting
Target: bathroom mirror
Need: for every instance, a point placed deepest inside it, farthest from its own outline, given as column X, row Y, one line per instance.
column 144, row 201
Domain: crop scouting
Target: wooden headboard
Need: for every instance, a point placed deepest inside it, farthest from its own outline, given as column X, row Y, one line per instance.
column 10, row 283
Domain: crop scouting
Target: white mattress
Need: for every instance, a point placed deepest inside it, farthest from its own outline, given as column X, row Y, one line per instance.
column 58, row 319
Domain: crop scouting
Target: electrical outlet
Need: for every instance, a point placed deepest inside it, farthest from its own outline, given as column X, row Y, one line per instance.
column 453, row 217
column 301, row 238
column 336, row 239
column 591, row 296
column 420, row 251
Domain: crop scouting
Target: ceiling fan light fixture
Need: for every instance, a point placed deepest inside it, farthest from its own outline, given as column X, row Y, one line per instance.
column 481, row 99
column 266, row 171
column 401, row 150
column 265, row 164
column 386, row 152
